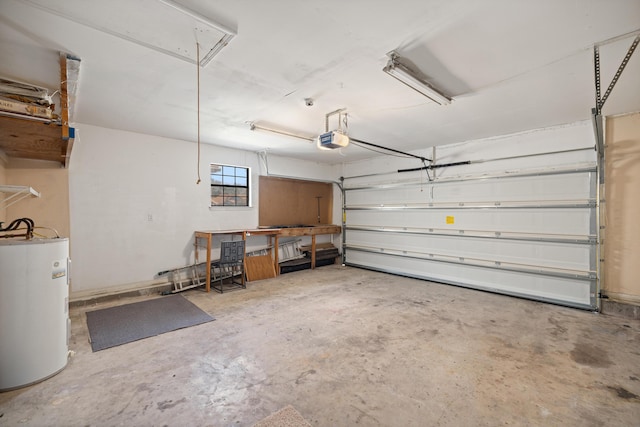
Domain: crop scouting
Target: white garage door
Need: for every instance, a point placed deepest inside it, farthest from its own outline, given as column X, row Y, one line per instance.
column 524, row 225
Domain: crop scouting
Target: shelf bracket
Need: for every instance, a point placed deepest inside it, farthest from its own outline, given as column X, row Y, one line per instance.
column 16, row 193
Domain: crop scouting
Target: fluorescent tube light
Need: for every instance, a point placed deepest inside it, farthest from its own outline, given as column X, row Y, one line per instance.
column 406, row 76
column 254, row 126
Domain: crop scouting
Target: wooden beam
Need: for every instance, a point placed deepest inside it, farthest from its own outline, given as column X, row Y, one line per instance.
column 66, row 156
column 64, row 97
column 310, row 231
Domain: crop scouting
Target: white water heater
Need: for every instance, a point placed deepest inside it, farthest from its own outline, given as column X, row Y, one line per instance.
column 34, row 310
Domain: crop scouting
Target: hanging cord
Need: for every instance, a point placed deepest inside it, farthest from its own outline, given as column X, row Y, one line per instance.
column 198, row 67
column 46, row 228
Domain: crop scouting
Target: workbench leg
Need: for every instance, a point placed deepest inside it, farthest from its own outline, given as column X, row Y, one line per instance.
column 244, row 260
column 208, row 284
column 313, row 251
column 195, row 248
column 276, row 262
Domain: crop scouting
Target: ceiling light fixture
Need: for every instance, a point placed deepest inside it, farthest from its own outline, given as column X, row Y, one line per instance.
column 254, row 126
column 402, row 73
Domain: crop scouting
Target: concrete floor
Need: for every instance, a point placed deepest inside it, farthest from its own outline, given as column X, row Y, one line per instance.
column 347, row 346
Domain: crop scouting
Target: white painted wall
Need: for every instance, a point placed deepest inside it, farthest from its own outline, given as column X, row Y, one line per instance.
column 134, row 204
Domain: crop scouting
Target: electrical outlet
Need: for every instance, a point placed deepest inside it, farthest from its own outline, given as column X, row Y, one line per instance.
column 149, row 217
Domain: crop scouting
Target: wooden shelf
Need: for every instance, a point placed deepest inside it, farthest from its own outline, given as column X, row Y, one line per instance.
column 28, row 137
column 310, row 231
column 33, row 139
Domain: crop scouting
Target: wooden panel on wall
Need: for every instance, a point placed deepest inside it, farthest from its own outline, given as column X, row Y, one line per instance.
column 292, row 201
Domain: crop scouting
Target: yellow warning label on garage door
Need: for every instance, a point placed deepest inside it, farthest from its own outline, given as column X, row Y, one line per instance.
column 450, row 220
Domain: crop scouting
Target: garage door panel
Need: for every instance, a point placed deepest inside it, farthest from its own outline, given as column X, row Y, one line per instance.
column 566, row 221
column 529, row 188
column 572, row 292
column 533, row 253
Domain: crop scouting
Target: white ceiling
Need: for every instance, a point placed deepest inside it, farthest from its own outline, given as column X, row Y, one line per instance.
column 510, row 65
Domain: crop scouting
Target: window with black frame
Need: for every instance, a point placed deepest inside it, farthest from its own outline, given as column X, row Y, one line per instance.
column 229, row 185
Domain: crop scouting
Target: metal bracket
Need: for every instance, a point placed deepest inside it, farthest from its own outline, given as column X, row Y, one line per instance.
column 342, row 119
column 596, row 59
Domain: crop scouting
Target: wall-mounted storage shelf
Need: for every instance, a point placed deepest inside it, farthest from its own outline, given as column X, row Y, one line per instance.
column 28, row 137
column 14, row 193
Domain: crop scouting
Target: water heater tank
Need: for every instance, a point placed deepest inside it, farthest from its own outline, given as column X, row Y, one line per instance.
column 34, row 313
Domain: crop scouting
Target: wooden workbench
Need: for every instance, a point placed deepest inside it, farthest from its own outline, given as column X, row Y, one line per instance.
column 272, row 233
